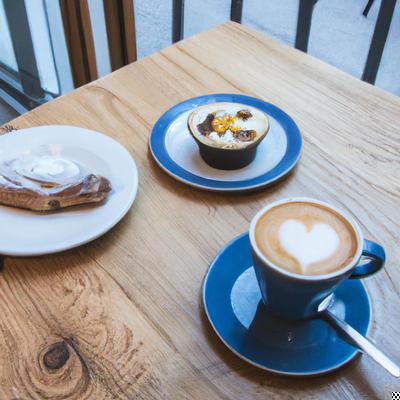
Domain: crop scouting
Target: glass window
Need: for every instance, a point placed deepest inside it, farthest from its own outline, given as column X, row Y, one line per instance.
column 7, row 56
column 42, row 45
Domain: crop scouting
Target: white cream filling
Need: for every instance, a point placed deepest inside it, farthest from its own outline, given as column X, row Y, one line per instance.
column 226, row 138
column 46, row 169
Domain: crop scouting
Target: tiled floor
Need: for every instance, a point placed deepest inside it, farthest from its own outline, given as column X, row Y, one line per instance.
column 7, row 113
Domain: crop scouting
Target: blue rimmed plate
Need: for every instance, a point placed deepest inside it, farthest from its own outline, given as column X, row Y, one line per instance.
column 176, row 152
column 233, row 305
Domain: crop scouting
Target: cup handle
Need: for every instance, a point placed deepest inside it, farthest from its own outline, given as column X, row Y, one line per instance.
column 372, row 260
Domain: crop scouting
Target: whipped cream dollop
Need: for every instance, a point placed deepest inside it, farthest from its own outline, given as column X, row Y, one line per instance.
column 47, row 169
column 226, row 139
column 308, row 247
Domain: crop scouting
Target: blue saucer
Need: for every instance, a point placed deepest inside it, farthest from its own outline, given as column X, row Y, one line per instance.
column 177, row 153
column 233, row 305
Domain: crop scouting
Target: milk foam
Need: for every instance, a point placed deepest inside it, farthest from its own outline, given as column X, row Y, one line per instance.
column 308, row 247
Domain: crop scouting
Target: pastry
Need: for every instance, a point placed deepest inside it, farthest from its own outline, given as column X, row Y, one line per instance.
column 48, row 183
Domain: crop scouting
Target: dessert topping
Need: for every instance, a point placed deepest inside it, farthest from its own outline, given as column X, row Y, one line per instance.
column 244, row 114
column 222, row 124
column 245, row 136
column 205, row 128
column 225, row 127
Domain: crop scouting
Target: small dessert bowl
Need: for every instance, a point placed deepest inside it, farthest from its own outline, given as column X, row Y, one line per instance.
column 228, row 133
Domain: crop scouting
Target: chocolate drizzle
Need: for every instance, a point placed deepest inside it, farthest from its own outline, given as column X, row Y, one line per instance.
column 244, row 114
column 205, row 128
column 245, row 136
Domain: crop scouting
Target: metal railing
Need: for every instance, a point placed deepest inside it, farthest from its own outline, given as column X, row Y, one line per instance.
column 304, row 19
column 378, row 40
column 25, row 88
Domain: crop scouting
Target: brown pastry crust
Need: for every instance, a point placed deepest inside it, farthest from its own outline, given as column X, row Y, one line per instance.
column 90, row 189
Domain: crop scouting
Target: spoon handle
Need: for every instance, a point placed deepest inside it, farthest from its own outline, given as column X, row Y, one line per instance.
column 364, row 344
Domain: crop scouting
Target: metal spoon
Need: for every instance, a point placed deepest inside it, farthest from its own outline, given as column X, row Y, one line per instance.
column 355, row 338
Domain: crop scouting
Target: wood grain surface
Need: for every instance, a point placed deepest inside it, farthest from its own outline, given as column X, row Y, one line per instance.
column 122, row 318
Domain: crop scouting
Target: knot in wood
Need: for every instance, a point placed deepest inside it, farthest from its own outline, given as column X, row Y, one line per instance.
column 56, row 356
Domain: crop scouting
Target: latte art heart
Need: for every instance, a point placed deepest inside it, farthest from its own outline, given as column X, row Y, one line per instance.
column 308, row 247
column 306, row 238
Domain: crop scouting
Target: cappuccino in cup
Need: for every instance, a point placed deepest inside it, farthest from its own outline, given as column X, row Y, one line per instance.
column 306, row 238
column 302, row 249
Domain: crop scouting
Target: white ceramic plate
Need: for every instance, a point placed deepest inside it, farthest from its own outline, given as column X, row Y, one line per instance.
column 27, row 233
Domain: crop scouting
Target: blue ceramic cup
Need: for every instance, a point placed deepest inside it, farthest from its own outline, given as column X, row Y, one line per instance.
column 294, row 296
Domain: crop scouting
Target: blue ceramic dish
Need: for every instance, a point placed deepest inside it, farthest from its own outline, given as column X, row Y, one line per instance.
column 176, row 152
column 233, row 304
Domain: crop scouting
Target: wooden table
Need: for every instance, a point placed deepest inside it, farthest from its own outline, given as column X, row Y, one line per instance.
column 122, row 317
